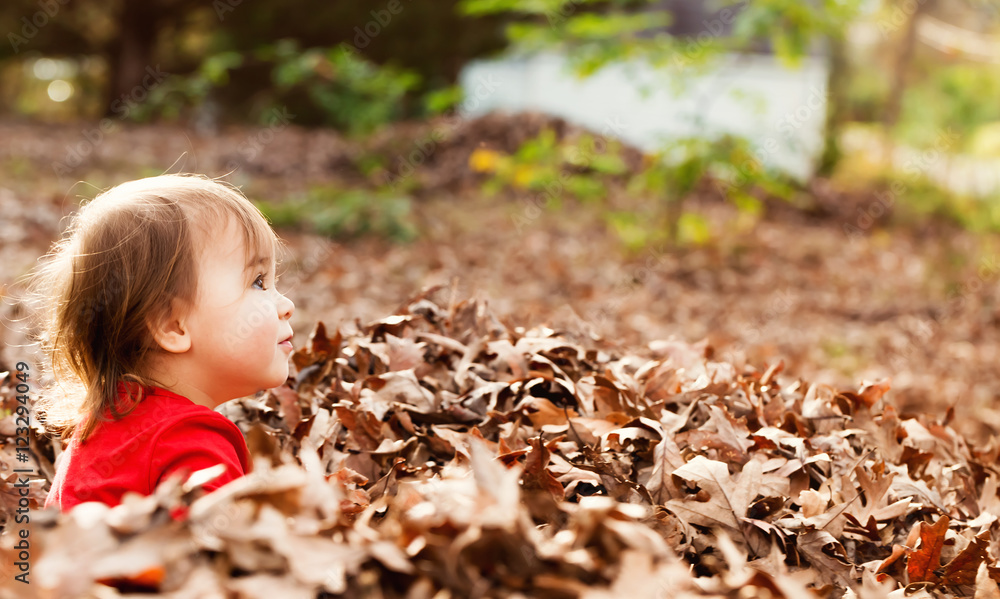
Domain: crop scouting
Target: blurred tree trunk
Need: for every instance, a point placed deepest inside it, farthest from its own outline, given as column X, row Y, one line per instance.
column 904, row 57
column 131, row 53
column 836, row 107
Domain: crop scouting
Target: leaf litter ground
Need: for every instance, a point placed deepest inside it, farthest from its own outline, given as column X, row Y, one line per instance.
column 439, row 452
column 457, row 448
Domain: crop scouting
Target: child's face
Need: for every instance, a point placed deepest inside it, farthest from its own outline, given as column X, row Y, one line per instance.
column 239, row 321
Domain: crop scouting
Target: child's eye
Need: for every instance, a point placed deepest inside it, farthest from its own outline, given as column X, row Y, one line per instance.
column 260, row 280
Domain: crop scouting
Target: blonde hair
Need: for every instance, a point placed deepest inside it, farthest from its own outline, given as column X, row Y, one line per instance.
column 126, row 256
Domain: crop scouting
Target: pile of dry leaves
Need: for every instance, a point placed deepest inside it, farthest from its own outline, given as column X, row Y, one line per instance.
column 441, row 453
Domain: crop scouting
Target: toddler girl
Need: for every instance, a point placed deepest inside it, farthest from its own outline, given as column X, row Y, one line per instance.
column 157, row 305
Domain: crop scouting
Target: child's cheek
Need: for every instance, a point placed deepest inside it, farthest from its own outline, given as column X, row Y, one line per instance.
column 261, row 318
column 245, row 323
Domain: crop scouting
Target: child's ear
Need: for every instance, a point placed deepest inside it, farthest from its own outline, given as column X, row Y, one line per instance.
column 170, row 329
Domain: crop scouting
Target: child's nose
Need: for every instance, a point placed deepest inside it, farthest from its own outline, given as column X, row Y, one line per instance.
column 285, row 307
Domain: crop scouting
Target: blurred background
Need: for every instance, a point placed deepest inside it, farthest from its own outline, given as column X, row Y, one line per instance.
column 814, row 183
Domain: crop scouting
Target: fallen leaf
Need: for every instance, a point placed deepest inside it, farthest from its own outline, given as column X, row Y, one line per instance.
column 923, row 560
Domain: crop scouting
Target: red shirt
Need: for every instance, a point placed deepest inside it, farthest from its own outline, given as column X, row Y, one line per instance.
column 164, row 434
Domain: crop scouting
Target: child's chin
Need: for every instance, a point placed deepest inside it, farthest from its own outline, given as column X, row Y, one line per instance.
column 277, row 382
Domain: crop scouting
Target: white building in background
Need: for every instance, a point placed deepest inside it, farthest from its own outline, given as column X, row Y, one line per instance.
column 781, row 110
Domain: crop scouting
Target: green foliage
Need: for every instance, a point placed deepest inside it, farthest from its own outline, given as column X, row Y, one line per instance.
column 430, row 39
column 632, row 229
column 915, row 199
column 594, row 33
column 728, row 161
column 352, row 94
column 442, row 100
column 693, row 229
column 603, row 31
column 179, row 34
column 176, row 94
column 986, row 140
column 583, row 169
column 355, row 95
column 865, row 93
column 346, row 214
column 792, row 25
column 597, row 31
column 952, row 97
column 925, row 201
column 215, row 69
column 555, row 168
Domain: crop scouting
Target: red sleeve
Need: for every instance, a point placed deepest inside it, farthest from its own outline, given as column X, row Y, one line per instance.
column 196, row 443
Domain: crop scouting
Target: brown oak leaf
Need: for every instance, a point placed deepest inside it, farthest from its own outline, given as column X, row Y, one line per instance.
column 926, row 557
